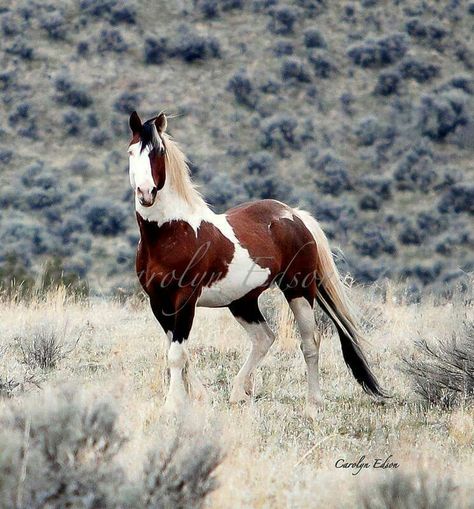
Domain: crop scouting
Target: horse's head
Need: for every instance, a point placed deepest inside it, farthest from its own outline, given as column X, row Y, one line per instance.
column 147, row 157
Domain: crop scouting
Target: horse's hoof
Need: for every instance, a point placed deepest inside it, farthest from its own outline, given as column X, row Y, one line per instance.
column 238, row 395
column 314, row 408
column 174, row 408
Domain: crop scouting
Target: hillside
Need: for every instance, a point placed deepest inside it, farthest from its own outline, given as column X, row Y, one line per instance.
column 361, row 112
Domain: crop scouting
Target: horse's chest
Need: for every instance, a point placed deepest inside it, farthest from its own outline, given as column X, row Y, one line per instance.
column 211, row 259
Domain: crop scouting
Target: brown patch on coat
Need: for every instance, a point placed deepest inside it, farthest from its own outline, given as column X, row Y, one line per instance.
column 158, row 169
column 171, row 259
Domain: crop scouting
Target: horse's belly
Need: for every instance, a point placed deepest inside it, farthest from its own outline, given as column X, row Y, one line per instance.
column 243, row 276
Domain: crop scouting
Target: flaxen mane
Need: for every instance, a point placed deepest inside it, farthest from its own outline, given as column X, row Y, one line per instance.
column 179, row 173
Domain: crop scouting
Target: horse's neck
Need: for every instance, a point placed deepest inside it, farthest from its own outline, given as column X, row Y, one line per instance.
column 169, row 206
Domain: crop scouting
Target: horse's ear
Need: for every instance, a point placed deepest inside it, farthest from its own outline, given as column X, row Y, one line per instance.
column 161, row 123
column 135, row 122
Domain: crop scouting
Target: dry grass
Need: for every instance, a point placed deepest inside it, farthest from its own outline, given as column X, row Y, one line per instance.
column 274, row 457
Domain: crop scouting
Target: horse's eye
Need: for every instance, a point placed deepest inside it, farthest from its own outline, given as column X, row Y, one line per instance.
column 130, row 153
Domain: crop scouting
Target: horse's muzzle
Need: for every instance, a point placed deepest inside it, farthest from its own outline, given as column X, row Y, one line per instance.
column 146, row 198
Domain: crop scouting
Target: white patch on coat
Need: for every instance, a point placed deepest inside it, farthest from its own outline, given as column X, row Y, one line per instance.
column 286, row 213
column 169, row 206
column 243, row 274
column 140, row 168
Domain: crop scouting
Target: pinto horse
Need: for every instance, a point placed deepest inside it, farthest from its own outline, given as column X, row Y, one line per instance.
column 190, row 256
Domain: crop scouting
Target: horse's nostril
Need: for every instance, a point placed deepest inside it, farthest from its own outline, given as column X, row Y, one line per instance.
column 154, row 191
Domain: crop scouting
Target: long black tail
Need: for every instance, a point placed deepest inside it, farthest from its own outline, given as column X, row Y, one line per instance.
column 333, row 299
column 351, row 350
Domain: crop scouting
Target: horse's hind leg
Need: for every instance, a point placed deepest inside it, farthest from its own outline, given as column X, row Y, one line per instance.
column 304, row 316
column 251, row 319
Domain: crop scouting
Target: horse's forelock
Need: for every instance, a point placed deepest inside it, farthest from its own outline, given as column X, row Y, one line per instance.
column 149, row 135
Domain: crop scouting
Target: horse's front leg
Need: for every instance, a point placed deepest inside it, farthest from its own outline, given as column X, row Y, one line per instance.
column 177, row 320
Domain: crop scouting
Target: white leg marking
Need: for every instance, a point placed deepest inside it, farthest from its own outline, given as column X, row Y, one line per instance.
column 304, row 316
column 177, row 396
column 262, row 339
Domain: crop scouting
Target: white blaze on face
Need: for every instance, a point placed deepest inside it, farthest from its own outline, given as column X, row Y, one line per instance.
column 140, row 168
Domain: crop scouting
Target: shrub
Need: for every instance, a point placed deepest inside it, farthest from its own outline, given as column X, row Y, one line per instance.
column 312, row 8
column 442, row 373
column 427, row 272
column 105, row 218
column 262, row 187
column 99, row 137
column 279, row 133
column 6, row 80
column 347, row 100
column 381, row 186
column 72, row 123
column 387, row 83
column 410, row 234
column 111, row 40
column 283, row 19
column 209, row 8
column 415, row 171
column 11, row 25
column 123, row 14
column 20, row 49
column 25, row 237
column 155, row 50
column 464, row 83
column 367, row 131
column 46, row 347
column 126, row 102
column 70, row 446
column 333, row 177
column 457, row 198
column 465, row 55
column 322, row 65
column 374, row 242
column 22, row 112
column 283, row 48
column 431, row 223
column 410, row 492
column 184, row 483
column 260, row 163
column 6, row 156
column 71, row 93
column 97, row 8
column 242, row 88
column 369, row 202
column 312, row 38
column 431, row 33
column 418, row 71
column 82, row 48
column 192, row 46
column 223, row 192
column 378, row 53
column 293, row 69
column 55, row 25
column 229, row 5
column 440, row 114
